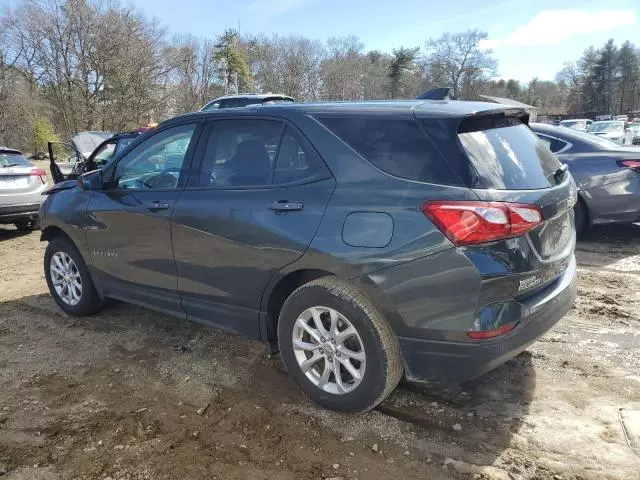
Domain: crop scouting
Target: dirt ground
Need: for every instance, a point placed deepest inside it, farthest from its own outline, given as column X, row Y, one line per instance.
column 133, row 394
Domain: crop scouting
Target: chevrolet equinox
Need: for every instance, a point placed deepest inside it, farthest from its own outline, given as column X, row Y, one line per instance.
column 363, row 240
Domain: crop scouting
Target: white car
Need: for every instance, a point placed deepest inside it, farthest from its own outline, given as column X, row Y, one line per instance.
column 580, row 124
column 21, row 187
column 610, row 129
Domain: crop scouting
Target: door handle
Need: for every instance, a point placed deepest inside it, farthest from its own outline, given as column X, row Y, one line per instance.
column 157, row 206
column 286, row 206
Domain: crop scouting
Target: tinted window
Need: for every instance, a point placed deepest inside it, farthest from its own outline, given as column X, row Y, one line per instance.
column 548, row 141
column 156, row 162
column 398, row 147
column 240, row 153
column 295, row 162
column 507, row 154
column 13, row 160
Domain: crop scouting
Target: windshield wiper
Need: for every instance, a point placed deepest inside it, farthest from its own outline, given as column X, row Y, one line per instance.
column 12, row 165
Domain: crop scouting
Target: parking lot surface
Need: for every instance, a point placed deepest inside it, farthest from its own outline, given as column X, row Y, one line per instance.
column 133, row 394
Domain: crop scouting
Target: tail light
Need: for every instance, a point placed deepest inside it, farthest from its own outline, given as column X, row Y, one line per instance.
column 468, row 223
column 632, row 164
column 496, row 332
column 39, row 172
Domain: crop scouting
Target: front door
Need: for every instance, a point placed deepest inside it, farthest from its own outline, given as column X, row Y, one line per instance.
column 259, row 199
column 129, row 222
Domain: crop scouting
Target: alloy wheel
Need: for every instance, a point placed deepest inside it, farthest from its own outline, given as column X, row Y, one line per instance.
column 329, row 350
column 65, row 278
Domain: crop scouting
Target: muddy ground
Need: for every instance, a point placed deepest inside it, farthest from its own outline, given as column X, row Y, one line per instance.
column 133, row 394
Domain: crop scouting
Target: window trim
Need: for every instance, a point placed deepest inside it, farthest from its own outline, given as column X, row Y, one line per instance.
column 110, row 172
column 198, row 159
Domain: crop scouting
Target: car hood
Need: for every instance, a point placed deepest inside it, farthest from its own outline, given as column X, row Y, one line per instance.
column 58, row 187
column 86, row 142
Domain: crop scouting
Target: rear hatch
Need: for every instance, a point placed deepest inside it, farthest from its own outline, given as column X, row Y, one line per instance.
column 18, row 176
column 505, row 165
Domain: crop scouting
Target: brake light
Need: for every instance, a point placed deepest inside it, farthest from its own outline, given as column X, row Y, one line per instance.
column 496, row 332
column 468, row 223
column 632, row 164
column 39, row 172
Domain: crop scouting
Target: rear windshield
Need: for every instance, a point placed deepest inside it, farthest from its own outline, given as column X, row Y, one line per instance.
column 397, row 146
column 13, row 160
column 507, row 155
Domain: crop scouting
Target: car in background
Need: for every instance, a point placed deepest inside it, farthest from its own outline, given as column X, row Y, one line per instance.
column 607, row 175
column 580, row 124
column 610, row 129
column 100, row 156
column 363, row 240
column 21, row 187
column 73, row 154
column 245, row 100
column 632, row 134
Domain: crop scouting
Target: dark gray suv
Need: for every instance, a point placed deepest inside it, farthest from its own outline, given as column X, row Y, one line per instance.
column 363, row 241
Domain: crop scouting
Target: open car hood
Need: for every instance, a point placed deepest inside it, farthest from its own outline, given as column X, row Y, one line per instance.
column 86, row 142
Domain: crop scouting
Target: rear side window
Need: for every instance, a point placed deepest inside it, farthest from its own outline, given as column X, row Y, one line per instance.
column 396, row 146
column 507, row 155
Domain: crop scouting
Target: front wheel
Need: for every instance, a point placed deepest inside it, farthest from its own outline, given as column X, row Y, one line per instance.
column 337, row 347
column 68, row 279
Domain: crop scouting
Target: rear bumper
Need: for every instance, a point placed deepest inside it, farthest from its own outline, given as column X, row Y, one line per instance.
column 455, row 362
column 11, row 213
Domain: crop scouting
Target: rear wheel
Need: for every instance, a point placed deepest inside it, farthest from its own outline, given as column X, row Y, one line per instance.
column 68, row 279
column 581, row 217
column 337, row 347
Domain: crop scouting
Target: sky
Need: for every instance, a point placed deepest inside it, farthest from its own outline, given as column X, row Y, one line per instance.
column 529, row 38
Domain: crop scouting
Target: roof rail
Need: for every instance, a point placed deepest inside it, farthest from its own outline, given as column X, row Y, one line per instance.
column 441, row 93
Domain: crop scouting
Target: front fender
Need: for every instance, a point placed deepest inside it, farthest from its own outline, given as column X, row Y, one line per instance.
column 65, row 211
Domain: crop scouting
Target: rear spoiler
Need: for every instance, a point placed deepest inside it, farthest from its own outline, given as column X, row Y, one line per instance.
column 487, row 119
column 441, row 93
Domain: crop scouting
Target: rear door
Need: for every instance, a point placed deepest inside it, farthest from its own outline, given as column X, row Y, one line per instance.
column 255, row 206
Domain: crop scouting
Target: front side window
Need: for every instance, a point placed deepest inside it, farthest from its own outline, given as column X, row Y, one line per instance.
column 156, row 162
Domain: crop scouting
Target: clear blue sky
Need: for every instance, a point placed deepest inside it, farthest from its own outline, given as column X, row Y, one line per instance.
column 529, row 37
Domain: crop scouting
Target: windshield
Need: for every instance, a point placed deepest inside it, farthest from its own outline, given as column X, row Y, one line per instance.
column 606, row 127
column 13, row 160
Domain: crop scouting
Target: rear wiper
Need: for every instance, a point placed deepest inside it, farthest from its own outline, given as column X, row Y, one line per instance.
column 559, row 173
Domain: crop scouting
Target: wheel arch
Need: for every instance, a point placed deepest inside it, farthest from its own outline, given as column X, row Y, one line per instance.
column 277, row 293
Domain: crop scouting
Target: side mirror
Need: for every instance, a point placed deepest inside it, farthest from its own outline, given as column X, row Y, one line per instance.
column 91, row 180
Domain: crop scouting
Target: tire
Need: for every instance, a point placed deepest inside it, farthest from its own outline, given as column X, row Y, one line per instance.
column 88, row 301
column 25, row 225
column 581, row 217
column 382, row 365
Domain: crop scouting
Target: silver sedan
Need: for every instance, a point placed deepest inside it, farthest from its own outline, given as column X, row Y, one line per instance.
column 21, row 187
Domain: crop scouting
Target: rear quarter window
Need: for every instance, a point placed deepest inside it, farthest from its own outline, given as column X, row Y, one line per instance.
column 397, row 146
column 507, row 155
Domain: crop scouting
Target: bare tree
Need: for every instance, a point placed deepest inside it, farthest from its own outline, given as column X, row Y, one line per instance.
column 456, row 60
